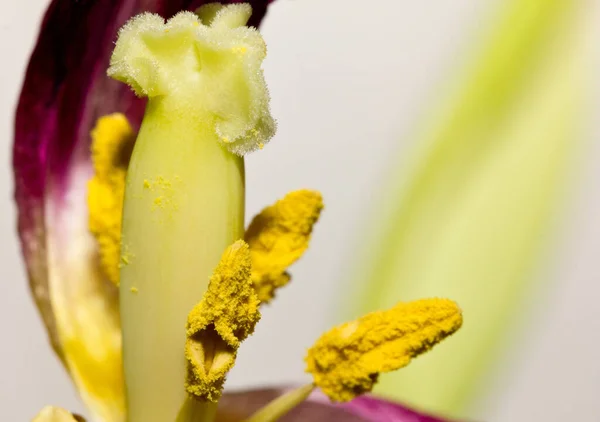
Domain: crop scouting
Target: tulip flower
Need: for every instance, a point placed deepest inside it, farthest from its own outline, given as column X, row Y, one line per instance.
column 133, row 233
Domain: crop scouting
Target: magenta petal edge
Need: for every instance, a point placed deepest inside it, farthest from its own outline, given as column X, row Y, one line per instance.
column 237, row 405
column 65, row 91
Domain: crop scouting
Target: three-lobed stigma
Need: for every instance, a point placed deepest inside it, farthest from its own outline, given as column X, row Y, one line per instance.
column 206, row 65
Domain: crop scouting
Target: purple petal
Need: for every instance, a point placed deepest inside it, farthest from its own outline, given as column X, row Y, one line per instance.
column 380, row 410
column 237, row 406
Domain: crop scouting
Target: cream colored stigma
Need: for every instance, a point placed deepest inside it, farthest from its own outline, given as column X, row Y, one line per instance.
column 211, row 62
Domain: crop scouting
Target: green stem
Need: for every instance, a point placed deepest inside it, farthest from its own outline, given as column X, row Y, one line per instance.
column 184, row 204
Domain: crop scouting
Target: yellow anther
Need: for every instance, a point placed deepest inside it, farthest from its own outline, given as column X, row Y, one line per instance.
column 216, row 326
column 346, row 361
column 55, row 414
column 112, row 142
column 278, row 236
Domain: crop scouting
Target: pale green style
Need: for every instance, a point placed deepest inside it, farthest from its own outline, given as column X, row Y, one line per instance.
column 184, row 195
column 469, row 213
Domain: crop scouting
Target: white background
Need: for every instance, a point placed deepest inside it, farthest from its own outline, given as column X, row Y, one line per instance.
column 348, row 79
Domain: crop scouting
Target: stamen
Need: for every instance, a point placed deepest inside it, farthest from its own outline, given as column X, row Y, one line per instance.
column 112, row 143
column 224, row 318
column 278, row 237
column 282, row 405
column 346, row 361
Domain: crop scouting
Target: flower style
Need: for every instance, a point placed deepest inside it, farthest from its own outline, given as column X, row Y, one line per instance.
column 151, row 224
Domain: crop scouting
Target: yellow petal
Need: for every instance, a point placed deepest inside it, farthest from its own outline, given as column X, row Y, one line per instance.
column 278, row 237
column 56, row 414
column 84, row 302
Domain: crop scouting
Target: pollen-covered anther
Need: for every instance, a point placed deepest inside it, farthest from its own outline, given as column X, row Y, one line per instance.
column 216, row 326
column 278, row 237
column 210, row 63
column 346, row 361
column 112, row 143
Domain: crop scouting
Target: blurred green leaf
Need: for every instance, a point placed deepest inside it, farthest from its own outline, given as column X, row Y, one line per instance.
column 469, row 215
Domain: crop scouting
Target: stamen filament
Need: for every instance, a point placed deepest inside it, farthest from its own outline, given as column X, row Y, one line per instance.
column 282, row 405
column 197, row 411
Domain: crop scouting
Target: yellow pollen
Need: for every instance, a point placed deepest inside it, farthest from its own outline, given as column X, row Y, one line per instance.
column 112, row 142
column 217, row 325
column 134, row 290
column 261, row 145
column 278, row 236
column 165, row 191
column 239, row 50
column 346, row 361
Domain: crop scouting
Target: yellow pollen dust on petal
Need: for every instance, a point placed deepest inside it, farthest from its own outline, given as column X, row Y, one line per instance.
column 112, row 143
column 346, row 361
column 56, row 414
column 278, row 237
column 217, row 325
